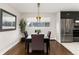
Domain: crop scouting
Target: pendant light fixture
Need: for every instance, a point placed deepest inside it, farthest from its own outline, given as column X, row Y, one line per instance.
column 38, row 17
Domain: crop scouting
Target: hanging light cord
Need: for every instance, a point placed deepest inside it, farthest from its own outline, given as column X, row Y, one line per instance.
column 38, row 17
column 38, row 8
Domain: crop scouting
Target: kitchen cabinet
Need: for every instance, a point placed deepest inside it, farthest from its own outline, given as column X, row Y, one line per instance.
column 70, row 14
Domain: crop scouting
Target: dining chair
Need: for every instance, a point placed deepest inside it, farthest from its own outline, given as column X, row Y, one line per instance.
column 26, row 35
column 49, row 35
column 38, row 42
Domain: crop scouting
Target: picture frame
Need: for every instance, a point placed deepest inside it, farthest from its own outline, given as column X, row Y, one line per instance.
column 7, row 21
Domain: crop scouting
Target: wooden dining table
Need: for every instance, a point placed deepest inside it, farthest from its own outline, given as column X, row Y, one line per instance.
column 28, row 40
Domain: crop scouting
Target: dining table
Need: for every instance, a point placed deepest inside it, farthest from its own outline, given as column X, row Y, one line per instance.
column 28, row 40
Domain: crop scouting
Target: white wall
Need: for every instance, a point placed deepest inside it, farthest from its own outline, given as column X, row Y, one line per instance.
column 9, row 38
column 52, row 27
column 58, row 27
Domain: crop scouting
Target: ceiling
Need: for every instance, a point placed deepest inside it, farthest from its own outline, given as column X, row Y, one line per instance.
column 45, row 7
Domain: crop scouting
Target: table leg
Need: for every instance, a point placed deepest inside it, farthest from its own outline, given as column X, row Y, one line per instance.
column 27, row 48
column 47, row 46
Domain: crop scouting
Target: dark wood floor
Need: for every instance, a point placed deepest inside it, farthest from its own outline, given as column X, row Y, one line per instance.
column 55, row 49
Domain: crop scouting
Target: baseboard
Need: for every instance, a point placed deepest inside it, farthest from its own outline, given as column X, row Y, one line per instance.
column 9, row 47
column 53, row 40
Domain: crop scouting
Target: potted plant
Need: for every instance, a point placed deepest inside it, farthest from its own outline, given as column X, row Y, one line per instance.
column 37, row 31
column 22, row 28
column 22, row 25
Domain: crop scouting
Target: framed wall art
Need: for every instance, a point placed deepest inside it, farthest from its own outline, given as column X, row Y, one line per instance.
column 7, row 21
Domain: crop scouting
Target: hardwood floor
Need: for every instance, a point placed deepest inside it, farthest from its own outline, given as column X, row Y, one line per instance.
column 55, row 49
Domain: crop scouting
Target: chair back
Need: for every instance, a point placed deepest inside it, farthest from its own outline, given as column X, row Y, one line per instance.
column 37, row 41
column 26, row 34
column 49, row 34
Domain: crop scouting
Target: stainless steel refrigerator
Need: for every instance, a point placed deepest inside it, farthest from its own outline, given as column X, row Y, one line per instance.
column 67, row 30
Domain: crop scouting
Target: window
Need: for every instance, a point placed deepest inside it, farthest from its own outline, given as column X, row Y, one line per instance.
column 39, row 24
column 32, row 22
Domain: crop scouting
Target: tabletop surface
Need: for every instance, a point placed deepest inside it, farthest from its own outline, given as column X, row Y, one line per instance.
column 29, row 37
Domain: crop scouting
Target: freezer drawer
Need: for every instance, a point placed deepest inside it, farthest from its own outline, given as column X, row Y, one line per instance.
column 67, row 38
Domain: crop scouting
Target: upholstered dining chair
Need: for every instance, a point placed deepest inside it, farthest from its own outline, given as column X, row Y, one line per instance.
column 49, row 34
column 26, row 35
column 38, row 42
